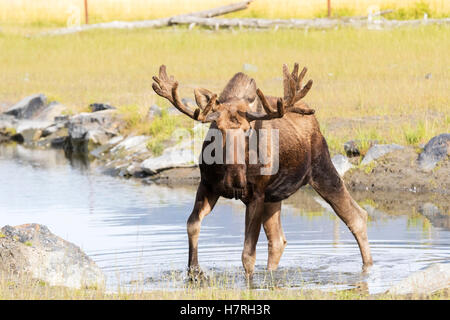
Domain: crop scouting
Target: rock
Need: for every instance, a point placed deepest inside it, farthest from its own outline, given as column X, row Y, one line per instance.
column 379, row 150
column 28, row 107
column 437, row 149
column 172, row 111
column 154, row 111
column 178, row 156
column 351, row 148
column 100, row 107
column 31, row 249
column 7, row 121
column 247, row 67
column 89, row 130
column 51, row 112
column 432, row 213
column 434, row 278
column 341, row 164
column 134, row 144
column 99, row 151
column 31, row 135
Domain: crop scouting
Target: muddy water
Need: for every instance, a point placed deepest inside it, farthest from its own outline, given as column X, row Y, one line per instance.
column 136, row 233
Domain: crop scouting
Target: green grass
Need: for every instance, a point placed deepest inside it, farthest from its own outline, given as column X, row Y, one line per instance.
column 366, row 83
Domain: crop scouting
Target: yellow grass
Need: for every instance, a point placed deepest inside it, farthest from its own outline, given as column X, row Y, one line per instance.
column 391, row 86
column 62, row 12
column 26, row 289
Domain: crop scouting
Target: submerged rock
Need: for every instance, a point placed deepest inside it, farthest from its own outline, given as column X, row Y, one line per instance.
column 379, row 150
column 341, row 164
column 32, row 250
column 437, row 149
column 433, row 278
column 28, row 107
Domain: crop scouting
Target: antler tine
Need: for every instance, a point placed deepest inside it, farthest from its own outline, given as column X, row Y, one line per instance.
column 208, row 108
column 167, row 87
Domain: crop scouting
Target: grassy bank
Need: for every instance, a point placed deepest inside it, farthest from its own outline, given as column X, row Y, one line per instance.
column 390, row 86
column 40, row 13
column 32, row 290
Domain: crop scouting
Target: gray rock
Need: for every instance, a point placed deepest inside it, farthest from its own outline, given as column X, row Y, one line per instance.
column 88, row 130
column 28, row 107
column 32, row 250
column 172, row 111
column 341, row 164
column 178, row 156
column 437, row 149
column 379, row 150
column 100, row 107
column 154, row 111
column 434, row 278
column 49, row 113
column 134, row 144
column 99, row 151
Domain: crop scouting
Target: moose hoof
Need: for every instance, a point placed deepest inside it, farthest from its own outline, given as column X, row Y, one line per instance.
column 196, row 275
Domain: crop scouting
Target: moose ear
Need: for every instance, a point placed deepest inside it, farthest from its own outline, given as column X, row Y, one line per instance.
column 212, row 116
column 202, row 97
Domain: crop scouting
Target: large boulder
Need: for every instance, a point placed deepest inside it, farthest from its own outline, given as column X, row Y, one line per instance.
column 379, row 150
column 31, row 250
column 28, row 107
column 437, row 149
column 89, row 130
column 434, row 278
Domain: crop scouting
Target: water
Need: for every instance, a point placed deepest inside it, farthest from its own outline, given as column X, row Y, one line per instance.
column 137, row 233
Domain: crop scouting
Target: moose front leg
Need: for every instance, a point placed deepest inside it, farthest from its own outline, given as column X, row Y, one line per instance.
column 204, row 203
column 274, row 232
column 253, row 219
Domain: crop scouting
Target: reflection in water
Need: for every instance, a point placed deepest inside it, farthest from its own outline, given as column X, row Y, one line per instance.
column 137, row 232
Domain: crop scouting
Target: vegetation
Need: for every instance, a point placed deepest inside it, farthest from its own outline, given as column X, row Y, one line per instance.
column 49, row 13
column 39, row 290
column 389, row 86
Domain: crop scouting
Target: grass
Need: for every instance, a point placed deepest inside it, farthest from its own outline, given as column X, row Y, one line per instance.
column 50, row 13
column 26, row 289
column 367, row 84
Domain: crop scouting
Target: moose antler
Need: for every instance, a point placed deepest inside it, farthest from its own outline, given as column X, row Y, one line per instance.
column 167, row 87
column 293, row 92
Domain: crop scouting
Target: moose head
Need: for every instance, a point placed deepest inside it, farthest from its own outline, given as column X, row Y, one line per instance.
column 232, row 115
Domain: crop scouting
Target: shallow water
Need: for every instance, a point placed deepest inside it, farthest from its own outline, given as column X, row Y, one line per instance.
column 136, row 233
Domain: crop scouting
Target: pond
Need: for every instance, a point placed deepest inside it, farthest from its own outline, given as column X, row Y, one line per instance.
column 137, row 233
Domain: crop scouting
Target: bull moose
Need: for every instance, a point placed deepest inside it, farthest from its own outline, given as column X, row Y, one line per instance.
column 303, row 158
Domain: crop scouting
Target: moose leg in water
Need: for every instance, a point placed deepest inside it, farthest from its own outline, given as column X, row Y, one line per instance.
column 329, row 185
column 253, row 220
column 274, row 232
column 205, row 201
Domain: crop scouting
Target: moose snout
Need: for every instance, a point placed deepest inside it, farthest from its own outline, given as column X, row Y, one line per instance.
column 235, row 179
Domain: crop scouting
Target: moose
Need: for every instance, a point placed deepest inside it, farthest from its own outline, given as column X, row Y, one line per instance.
column 303, row 158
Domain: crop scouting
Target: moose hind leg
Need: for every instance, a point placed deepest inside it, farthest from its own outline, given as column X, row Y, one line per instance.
column 274, row 232
column 329, row 185
column 205, row 201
